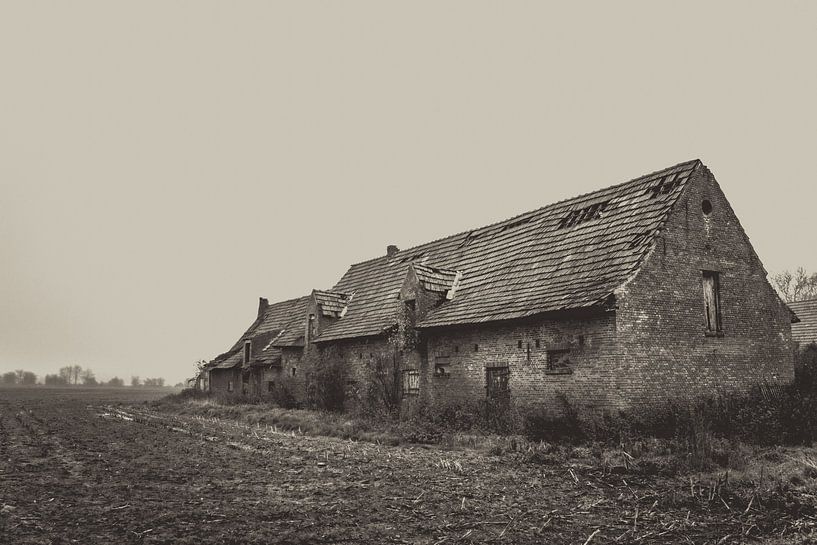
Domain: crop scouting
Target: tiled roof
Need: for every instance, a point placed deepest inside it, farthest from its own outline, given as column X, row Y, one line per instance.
column 570, row 254
column 332, row 303
column 268, row 356
column 229, row 361
column 292, row 332
column 279, row 321
column 804, row 332
column 435, row 278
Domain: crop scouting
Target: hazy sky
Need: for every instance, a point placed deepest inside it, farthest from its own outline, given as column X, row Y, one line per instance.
column 163, row 164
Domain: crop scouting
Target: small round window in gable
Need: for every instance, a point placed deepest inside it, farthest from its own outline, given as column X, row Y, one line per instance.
column 706, row 207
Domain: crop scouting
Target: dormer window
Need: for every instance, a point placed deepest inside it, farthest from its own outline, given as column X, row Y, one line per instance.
column 247, row 351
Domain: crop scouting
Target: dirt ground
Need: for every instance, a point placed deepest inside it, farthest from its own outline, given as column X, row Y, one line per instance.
column 97, row 466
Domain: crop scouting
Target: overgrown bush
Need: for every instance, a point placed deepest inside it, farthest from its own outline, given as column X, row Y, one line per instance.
column 328, row 383
column 765, row 415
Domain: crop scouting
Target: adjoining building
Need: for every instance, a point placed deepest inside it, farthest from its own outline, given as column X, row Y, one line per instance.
column 805, row 331
column 629, row 294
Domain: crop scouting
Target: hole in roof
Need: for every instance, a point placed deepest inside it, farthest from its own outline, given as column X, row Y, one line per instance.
column 515, row 224
column 706, row 206
column 588, row 213
column 663, row 185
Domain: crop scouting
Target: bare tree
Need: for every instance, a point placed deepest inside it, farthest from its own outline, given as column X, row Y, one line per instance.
column 65, row 374
column 796, row 286
column 88, row 378
column 76, row 370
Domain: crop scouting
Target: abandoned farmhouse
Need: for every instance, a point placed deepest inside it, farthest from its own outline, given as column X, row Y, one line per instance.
column 629, row 294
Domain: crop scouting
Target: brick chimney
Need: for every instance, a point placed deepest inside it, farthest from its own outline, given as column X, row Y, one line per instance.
column 391, row 249
column 263, row 303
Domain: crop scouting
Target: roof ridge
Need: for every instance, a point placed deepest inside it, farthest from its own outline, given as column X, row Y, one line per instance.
column 496, row 223
column 287, row 301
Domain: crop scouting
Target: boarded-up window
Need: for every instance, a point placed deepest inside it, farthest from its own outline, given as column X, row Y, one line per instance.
column 247, row 351
column 712, row 301
column 497, row 382
column 411, row 382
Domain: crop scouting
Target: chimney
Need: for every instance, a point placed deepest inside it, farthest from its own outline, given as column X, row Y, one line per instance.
column 391, row 249
column 263, row 303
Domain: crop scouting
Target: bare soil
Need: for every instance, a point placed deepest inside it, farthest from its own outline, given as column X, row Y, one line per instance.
column 97, row 466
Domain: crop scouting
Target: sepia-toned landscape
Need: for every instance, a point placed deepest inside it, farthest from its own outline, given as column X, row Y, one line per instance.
column 116, row 466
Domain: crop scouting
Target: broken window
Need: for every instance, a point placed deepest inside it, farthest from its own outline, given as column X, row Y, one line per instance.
column 247, row 351
column 575, row 217
column 441, row 366
column 558, row 360
column 496, row 379
column 712, row 301
column 411, row 382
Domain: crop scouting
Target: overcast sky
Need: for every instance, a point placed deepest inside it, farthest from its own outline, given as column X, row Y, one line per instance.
column 164, row 164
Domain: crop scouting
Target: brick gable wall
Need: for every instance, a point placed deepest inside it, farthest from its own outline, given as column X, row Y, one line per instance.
column 662, row 348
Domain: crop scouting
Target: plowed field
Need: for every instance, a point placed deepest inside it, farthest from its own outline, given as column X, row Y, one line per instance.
column 97, row 467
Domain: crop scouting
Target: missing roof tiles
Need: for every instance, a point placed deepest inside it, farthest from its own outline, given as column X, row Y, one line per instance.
column 582, row 215
column 515, row 224
column 664, row 185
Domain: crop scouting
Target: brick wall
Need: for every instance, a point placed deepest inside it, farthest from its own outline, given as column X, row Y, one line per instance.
column 662, row 347
column 220, row 378
column 467, row 352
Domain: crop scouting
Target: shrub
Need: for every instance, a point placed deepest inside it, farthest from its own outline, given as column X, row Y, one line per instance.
column 328, row 384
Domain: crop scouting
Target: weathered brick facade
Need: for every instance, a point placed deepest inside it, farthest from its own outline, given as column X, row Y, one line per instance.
column 632, row 294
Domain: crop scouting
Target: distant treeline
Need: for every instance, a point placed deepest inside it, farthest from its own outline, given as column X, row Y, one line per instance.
column 73, row 375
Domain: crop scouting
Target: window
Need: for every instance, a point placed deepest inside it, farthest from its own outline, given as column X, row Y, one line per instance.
column 496, row 379
column 519, row 343
column 270, row 386
column 476, row 348
column 538, row 344
column 311, row 326
column 411, row 305
column 247, row 351
column 294, row 371
column 712, row 302
column 229, row 385
column 411, row 382
column 706, row 207
column 441, row 366
column 558, row 360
